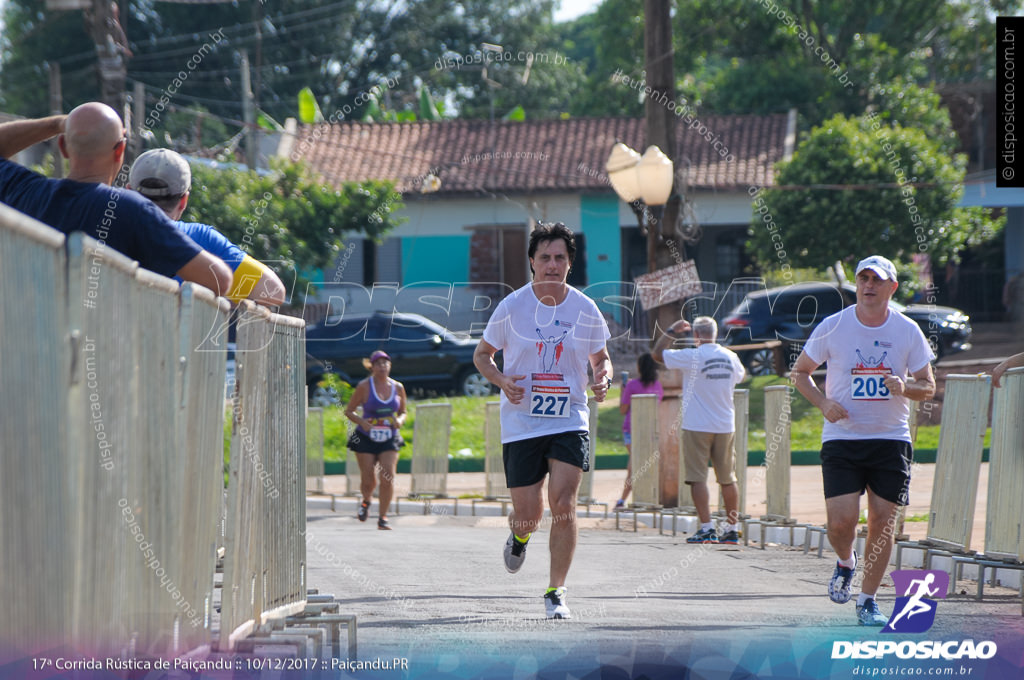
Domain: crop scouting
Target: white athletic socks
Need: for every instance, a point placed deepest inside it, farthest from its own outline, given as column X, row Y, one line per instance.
column 864, row 597
column 849, row 563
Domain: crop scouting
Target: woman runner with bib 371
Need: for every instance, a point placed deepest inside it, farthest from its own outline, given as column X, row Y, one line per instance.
column 376, row 439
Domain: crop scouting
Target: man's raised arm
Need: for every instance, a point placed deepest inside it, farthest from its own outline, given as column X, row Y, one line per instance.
column 18, row 135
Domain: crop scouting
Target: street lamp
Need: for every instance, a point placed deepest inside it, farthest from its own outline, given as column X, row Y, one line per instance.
column 642, row 181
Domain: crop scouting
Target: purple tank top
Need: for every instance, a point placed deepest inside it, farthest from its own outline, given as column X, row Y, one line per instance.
column 380, row 412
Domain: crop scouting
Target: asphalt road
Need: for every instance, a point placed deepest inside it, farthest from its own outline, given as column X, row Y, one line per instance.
column 435, row 592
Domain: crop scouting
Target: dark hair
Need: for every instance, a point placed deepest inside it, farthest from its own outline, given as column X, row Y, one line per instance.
column 552, row 231
column 166, row 203
column 648, row 369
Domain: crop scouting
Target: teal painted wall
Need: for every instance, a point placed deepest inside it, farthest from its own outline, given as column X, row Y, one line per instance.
column 601, row 228
column 435, row 258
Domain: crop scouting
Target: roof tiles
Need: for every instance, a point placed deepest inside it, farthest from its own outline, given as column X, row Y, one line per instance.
column 481, row 157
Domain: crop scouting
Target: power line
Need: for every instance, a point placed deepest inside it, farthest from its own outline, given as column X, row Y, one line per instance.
column 246, row 37
column 284, row 18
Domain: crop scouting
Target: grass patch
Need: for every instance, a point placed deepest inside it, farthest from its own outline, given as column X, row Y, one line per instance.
column 468, row 424
column 468, row 416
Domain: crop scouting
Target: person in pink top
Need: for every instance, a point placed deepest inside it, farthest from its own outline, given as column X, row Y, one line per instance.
column 647, row 383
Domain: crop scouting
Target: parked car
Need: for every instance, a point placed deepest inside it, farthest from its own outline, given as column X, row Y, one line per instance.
column 790, row 313
column 229, row 371
column 425, row 355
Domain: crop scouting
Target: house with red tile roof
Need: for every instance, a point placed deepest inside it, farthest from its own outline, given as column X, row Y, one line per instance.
column 472, row 189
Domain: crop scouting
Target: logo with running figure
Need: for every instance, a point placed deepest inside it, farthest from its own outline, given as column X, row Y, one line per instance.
column 914, row 612
column 549, row 349
column 871, row 361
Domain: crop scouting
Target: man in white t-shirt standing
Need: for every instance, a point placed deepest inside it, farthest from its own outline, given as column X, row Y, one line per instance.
column 865, row 440
column 548, row 333
column 710, row 373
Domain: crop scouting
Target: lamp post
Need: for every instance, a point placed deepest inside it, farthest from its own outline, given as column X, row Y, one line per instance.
column 643, row 182
column 646, row 183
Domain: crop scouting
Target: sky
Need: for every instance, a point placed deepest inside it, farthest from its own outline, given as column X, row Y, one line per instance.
column 568, row 9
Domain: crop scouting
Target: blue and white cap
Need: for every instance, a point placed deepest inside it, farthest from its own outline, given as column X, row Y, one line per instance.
column 879, row 265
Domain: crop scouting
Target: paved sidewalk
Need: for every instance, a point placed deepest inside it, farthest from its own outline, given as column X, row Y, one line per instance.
column 807, row 502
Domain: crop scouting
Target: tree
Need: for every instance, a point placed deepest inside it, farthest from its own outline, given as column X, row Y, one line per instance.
column 608, row 40
column 738, row 56
column 337, row 48
column 883, row 180
column 288, row 218
column 32, row 37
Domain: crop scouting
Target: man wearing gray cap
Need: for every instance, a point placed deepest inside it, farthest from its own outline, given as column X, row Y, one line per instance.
column 93, row 140
column 865, row 440
column 164, row 177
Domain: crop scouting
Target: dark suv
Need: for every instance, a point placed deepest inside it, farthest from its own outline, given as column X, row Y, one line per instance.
column 424, row 355
column 790, row 313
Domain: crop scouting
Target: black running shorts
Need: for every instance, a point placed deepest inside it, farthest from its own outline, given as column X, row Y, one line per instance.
column 526, row 460
column 360, row 442
column 852, row 465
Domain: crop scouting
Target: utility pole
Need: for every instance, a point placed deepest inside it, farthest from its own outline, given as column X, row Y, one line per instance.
column 257, row 20
column 103, row 22
column 56, row 108
column 660, row 126
column 105, row 30
column 248, row 112
column 138, row 114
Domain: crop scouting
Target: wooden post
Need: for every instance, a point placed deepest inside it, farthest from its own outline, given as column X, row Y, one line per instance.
column 56, row 108
column 661, row 132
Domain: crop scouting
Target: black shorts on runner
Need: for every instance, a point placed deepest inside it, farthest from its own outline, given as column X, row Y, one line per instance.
column 361, row 443
column 526, row 460
column 851, row 465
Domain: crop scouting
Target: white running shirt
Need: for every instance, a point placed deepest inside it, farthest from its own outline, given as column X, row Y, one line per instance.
column 710, row 372
column 551, row 346
column 859, row 358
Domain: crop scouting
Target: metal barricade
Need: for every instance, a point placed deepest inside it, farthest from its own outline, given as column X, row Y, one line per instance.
column 430, row 443
column 353, row 475
column 778, row 453
column 203, row 315
column 315, row 450
column 110, row 528
column 156, row 483
column 242, row 587
column 101, row 398
column 35, row 505
column 1004, row 542
column 285, row 560
column 957, row 467
column 1004, row 520
column 495, row 490
column 644, row 433
column 777, row 464
column 643, row 413
column 264, row 563
column 741, row 409
column 585, row 494
column 494, row 469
